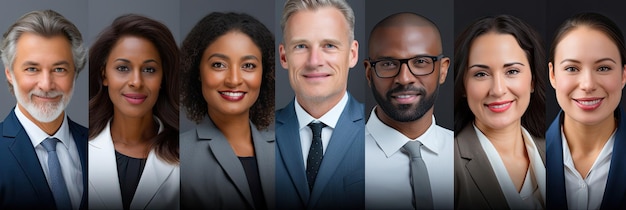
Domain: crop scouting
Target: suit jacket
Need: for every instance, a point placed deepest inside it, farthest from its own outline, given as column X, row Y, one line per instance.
column 23, row 184
column 158, row 188
column 615, row 191
column 475, row 184
column 212, row 175
column 340, row 182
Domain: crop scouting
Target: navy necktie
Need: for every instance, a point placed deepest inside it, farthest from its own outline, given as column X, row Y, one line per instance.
column 316, row 153
column 420, row 182
column 59, row 189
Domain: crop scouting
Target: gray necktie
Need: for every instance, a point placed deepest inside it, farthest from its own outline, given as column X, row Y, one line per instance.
column 422, row 195
column 316, row 153
column 59, row 189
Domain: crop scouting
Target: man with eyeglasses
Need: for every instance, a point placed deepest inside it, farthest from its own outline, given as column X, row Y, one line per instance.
column 408, row 157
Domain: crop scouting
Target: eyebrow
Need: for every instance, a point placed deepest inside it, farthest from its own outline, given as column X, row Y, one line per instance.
column 487, row 67
column 128, row 61
column 33, row 63
column 222, row 56
column 598, row 61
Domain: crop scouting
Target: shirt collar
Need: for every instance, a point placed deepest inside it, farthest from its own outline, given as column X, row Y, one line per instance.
column 37, row 135
column 329, row 119
column 390, row 140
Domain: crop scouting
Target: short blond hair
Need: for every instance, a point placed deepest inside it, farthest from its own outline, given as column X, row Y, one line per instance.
column 293, row 6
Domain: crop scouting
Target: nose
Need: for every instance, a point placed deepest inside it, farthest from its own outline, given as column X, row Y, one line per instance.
column 233, row 77
column 315, row 58
column 498, row 87
column 586, row 81
column 46, row 81
column 405, row 76
column 136, row 79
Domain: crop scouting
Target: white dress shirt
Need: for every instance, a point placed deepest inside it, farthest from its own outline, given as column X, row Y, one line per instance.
column 67, row 152
column 586, row 193
column 330, row 119
column 532, row 195
column 387, row 166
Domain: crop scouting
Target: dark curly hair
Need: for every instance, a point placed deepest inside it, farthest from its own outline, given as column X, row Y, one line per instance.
column 203, row 34
column 167, row 105
column 533, row 118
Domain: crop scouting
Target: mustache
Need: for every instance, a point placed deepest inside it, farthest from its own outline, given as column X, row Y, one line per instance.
column 44, row 94
column 404, row 88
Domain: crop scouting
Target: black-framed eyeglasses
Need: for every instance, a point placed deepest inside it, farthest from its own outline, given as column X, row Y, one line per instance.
column 420, row 65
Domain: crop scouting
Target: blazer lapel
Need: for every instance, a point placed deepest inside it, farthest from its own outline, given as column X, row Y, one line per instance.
column 265, row 152
column 154, row 175
column 288, row 143
column 103, row 177
column 616, row 185
column 340, row 141
column 25, row 155
column 227, row 159
column 555, row 176
column 480, row 169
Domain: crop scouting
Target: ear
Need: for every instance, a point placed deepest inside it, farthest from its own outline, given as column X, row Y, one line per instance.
column 443, row 69
column 354, row 53
column 283, row 56
column 105, row 81
column 623, row 76
column 8, row 75
column 368, row 71
column 551, row 73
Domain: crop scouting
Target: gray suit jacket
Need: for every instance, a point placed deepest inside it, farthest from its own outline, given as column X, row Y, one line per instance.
column 475, row 183
column 212, row 176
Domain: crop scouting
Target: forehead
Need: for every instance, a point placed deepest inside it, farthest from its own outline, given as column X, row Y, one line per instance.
column 323, row 23
column 36, row 48
column 408, row 39
column 133, row 47
column 496, row 48
column 586, row 43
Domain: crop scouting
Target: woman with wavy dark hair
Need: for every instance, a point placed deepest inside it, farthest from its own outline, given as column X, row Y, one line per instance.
column 586, row 141
column 499, row 123
column 133, row 116
column 228, row 89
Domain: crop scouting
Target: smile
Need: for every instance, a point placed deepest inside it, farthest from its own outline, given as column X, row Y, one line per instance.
column 232, row 95
column 499, row 106
column 134, row 98
column 589, row 104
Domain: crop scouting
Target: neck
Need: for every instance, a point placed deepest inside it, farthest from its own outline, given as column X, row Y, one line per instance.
column 133, row 130
column 317, row 107
column 588, row 138
column 236, row 128
column 412, row 129
column 49, row 127
column 507, row 140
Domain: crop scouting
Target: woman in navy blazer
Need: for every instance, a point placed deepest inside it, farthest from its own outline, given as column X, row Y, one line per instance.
column 585, row 142
column 228, row 89
column 133, row 117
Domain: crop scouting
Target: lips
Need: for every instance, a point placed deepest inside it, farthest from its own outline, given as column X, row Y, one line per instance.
column 406, row 97
column 588, row 104
column 135, row 98
column 232, row 95
column 316, row 76
column 499, row 106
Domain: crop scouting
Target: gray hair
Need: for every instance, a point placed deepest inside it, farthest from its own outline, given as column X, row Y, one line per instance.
column 46, row 23
column 293, row 6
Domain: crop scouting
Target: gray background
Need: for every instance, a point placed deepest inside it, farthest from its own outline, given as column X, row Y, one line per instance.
column 357, row 84
column 194, row 10
column 73, row 10
column 440, row 12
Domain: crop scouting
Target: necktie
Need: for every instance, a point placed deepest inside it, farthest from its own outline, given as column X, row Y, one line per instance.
column 59, row 189
column 419, row 177
column 316, row 153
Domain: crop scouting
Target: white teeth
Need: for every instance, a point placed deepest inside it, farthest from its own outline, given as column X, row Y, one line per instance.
column 589, row 103
column 232, row 94
column 500, row 106
column 403, row 96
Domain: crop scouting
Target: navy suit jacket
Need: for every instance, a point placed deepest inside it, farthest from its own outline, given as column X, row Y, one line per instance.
column 615, row 191
column 23, row 184
column 340, row 182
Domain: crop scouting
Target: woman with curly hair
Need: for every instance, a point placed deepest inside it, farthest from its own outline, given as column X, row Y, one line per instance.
column 228, row 89
column 133, row 117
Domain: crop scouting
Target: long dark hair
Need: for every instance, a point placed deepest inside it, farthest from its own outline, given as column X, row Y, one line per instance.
column 204, row 34
column 533, row 118
column 167, row 105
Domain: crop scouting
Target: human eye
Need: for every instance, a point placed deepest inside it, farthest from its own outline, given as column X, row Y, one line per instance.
column 421, row 62
column 122, row 68
column 330, row 46
column 604, row 68
column 480, row 74
column 512, row 71
column 249, row 66
column 218, row 65
column 571, row 69
column 386, row 64
column 299, row 46
column 31, row 69
column 149, row 70
column 59, row 70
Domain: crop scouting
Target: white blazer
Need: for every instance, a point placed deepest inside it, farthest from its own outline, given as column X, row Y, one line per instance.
column 158, row 188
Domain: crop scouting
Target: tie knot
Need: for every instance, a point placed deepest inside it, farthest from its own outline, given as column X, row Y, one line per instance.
column 316, row 127
column 50, row 144
column 413, row 147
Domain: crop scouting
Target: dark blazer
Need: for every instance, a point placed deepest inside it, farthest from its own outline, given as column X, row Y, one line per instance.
column 475, row 184
column 212, row 176
column 615, row 191
column 23, row 184
column 340, row 182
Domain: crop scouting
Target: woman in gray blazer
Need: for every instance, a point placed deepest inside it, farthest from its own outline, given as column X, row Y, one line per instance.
column 228, row 89
column 499, row 116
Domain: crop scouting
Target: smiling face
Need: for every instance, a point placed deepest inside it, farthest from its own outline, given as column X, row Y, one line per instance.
column 42, row 76
column 498, row 81
column 405, row 97
column 318, row 52
column 587, row 76
column 133, row 75
column 231, row 73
